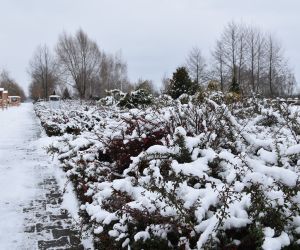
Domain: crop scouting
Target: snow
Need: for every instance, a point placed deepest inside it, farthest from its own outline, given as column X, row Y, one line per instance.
column 208, row 228
column 267, row 156
column 223, row 175
column 295, row 149
column 23, row 163
column 275, row 243
column 287, row 176
column 143, row 235
column 98, row 230
column 18, row 130
column 70, row 202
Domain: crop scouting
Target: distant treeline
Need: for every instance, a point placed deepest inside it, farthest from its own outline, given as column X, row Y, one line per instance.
column 9, row 84
column 78, row 64
column 244, row 60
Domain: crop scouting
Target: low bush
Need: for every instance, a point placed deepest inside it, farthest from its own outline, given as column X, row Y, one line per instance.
column 184, row 174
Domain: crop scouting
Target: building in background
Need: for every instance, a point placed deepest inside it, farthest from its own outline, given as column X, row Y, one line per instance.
column 14, row 100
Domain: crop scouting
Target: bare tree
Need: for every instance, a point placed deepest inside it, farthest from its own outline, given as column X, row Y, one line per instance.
column 242, row 38
column 79, row 57
column 113, row 74
column 105, row 74
column 218, row 56
column 43, row 71
column 253, row 41
column 36, row 91
column 230, row 44
column 146, row 85
column 119, row 72
column 291, row 84
column 245, row 59
column 260, row 60
column 195, row 63
column 228, row 55
column 274, row 61
column 165, row 84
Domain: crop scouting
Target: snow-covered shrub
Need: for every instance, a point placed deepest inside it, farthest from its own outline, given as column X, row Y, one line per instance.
column 164, row 101
column 232, row 97
column 72, row 117
column 199, row 175
column 112, row 97
column 185, row 98
column 107, row 101
column 136, row 99
column 213, row 86
column 52, row 129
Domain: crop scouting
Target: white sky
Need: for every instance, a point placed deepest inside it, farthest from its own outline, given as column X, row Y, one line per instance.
column 154, row 35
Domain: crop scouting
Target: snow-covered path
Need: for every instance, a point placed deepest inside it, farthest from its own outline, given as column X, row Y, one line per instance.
column 18, row 131
column 31, row 215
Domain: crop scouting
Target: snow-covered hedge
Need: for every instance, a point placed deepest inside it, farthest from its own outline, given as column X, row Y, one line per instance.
column 200, row 175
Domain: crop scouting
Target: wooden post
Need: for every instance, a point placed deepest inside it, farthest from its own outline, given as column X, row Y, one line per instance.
column 1, row 97
column 5, row 98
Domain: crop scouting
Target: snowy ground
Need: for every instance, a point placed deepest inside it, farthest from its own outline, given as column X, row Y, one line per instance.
column 24, row 165
column 18, row 131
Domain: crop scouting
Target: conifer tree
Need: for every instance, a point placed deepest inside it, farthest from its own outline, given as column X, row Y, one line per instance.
column 181, row 83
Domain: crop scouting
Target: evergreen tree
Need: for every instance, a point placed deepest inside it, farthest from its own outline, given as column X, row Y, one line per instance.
column 181, row 83
column 66, row 94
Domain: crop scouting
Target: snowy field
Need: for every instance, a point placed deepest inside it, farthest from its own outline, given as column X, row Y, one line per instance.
column 194, row 176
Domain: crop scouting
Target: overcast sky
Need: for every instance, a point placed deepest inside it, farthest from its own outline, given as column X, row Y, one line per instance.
column 154, row 35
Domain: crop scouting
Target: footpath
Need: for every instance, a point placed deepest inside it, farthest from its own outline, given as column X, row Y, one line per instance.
column 31, row 212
